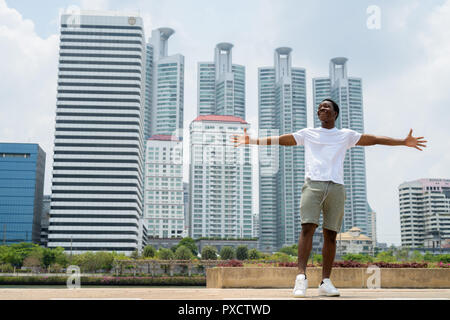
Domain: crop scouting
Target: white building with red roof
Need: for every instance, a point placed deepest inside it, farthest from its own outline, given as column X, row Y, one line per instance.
column 220, row 204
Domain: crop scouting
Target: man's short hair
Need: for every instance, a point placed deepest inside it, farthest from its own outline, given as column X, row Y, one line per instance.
column 335, row 106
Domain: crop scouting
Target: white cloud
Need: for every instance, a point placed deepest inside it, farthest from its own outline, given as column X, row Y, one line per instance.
column 28, row 83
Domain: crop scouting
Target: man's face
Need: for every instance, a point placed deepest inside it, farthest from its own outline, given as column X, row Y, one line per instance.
column 326, row 112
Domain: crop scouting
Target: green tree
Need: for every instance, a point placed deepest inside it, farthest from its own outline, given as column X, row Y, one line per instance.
column 183, row 253
column 209, row 253
column 149, row 252
column 190, row 243
column 165, row 254
column 227, row 253
column 254, row 254
column 242, row 252
column 104, row 260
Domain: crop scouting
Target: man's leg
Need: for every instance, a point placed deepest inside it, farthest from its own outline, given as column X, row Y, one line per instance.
column 305, row 245
column 328, row 252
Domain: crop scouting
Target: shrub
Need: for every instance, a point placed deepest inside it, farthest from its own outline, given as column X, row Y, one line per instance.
column 254, row 254
column 318, row 258
column 209, row 253
column 357, row 257
column 290, row 250
column 227, row 253
column 231, row 263
column 280, row 257
column 242, row 252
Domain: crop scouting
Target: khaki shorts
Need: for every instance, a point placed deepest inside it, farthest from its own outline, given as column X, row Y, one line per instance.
column 325, row 196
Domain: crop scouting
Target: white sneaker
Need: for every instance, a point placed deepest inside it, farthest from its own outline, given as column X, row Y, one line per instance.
column 301, row 284
column 327, row 289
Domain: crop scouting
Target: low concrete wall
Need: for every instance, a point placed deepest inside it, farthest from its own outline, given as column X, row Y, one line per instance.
column 276, row 277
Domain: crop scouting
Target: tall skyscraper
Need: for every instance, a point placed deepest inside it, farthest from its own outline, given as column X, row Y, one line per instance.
column 220, row 179
column 164, row 213
column 164, row 87
column 97, row 184
column 164, row 201
column 282, row 110
column 347, row 92
column 22, row 171
column 424, row 212
column 45, row 217
column 221, row 85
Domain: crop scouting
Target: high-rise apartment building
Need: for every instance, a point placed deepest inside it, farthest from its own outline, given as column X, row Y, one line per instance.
column 22, row 171
column 221, row 85
column 164, row 198
column 347, row 92
column 424, row 212
column 164, row 213
column 97, row 184
column 220, row 179
column 164, row 87
column 282, row 110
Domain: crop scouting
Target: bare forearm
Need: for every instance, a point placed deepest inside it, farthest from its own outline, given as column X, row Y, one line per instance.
column 370, row 140
column 387, row 141
column 284, row 140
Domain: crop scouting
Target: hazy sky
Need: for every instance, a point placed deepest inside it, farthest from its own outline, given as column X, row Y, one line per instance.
column 405, row 67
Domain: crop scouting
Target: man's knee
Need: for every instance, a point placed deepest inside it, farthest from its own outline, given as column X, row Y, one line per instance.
column 308, row 229
column 329, row 236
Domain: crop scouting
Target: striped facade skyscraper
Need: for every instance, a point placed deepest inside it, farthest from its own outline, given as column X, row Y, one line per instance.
column 347, row 92
column 282, row 110
column 97, row 183
column 221, row 85
column 163, row 200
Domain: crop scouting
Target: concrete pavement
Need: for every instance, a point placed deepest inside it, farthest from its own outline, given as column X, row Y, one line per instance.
column 190, row 293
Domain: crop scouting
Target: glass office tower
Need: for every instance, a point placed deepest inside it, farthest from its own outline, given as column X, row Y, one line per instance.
column 22, row 170
column 347, row 92
column 221, row 85
column 282, row 110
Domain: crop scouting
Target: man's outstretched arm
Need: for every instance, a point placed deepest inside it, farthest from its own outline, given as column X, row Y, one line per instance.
column 409, row 141
column 283, row 140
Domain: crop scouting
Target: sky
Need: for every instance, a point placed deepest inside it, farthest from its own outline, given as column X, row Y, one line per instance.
column 404, row 65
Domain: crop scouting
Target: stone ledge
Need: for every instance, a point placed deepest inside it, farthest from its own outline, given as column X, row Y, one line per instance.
column 284, row 277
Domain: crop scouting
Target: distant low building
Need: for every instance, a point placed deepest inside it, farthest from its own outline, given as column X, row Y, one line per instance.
column 353, row 241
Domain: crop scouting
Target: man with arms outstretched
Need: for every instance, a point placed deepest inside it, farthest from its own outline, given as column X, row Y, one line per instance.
column 324, row 190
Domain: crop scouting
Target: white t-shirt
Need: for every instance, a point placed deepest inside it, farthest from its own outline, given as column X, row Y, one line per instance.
column 325, row 151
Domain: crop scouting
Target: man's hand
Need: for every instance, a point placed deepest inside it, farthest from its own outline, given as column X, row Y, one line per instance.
column 414, row 142
column 240, row 139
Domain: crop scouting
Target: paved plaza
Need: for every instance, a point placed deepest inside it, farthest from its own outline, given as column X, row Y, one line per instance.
column 178, row 293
